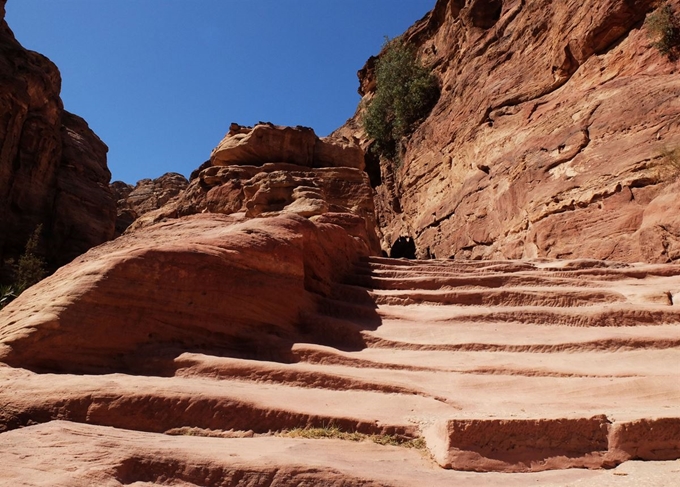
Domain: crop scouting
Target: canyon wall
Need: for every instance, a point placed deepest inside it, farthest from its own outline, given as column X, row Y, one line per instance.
column 551, row 137
column 53, row 168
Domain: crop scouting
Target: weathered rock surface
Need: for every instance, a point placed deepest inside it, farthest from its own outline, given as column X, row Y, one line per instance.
column 52, row 166
column 498, row 366
column 147, row 195
column 547, row 139
column 279, row 189
column 205, row 282
column 271, row 170
column 187, row 351
column 294, row 145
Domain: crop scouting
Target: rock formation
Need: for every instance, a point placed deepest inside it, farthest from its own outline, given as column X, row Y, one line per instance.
column 295, row 145
column 243, row 335
column 296, row 181
column 147, row 195
column 239, row 236
column 52, row 166
column 244, row 332
column 548, row 139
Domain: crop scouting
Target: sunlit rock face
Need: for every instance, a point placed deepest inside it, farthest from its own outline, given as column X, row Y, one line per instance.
column 272, row 170
column 53, row 168
column 548, row 139
column 147, row 195
column 267, row 142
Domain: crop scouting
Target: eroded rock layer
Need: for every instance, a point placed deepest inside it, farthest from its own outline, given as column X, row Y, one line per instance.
column 502, row 366
column 147, row 195
column 272, row 170
column 52, row 166
column 548, row 139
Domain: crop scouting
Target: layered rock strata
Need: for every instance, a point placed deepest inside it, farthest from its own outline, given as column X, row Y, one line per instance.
column 296, row 181
column 267, row 142
column 206, row 282
column 532, row 367
column 229, row 264
column 550, row 138
column 147, row 195
column 52, row 166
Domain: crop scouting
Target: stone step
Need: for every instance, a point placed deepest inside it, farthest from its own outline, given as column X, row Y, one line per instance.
column 523, row 445
column 505, row 296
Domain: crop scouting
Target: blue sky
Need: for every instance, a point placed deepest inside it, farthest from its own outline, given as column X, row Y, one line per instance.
column 161, row 80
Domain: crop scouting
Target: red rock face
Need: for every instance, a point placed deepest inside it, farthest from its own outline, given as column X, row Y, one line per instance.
column 294, row 145
column 147, row 195
column 271, row 170
column 547, row 140
column 52, row 166
column 204, row 282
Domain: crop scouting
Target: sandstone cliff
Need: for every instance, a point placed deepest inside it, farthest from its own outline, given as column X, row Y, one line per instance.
column 52, row 166
column 241, row 332
column 147, row 195
column 249, row 307
column 547, row 140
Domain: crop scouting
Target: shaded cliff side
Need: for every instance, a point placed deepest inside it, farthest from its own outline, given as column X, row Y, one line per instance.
column 52, row 166
column 550, row 138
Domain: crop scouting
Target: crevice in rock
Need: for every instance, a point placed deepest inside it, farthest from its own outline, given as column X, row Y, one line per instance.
column 485, row 13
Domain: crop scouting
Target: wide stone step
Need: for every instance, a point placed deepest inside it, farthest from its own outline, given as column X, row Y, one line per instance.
column 506, row 296
column 531, row 338
column 522, row 445
column 71, row 454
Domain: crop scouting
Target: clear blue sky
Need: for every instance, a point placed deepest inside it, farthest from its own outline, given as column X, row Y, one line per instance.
column 160, row 80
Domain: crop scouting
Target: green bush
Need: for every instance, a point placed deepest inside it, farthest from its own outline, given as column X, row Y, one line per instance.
column 405, row 93
column 663, row 27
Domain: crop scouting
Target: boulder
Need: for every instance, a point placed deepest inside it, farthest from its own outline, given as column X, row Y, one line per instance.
column 203, row 282
column 267, row 143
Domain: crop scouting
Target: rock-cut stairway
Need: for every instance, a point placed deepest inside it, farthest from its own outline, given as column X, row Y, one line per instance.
column 505, row 366
column 521, row 365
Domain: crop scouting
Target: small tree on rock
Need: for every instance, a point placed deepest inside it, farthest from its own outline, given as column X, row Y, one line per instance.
column 31, row 267
column 405, row 93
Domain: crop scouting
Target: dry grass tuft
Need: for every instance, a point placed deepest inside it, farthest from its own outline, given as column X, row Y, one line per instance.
column 333, row 432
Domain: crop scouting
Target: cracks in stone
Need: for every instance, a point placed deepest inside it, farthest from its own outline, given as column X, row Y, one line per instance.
column 573, row 204
column 498, row 32
column 439, row 220
column 582, row 145
column 596, row 198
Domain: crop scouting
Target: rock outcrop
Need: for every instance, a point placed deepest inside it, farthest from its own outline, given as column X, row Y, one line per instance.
column 232, row 264
column 234, row 181
column 548, row 139
column 295, row 145
column 243, row 331
column 206, row 282
column 147, row 195
column 52, row 166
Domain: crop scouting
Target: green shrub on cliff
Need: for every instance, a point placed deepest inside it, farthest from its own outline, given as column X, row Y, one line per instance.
column 405, row 93
column 663, row 27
